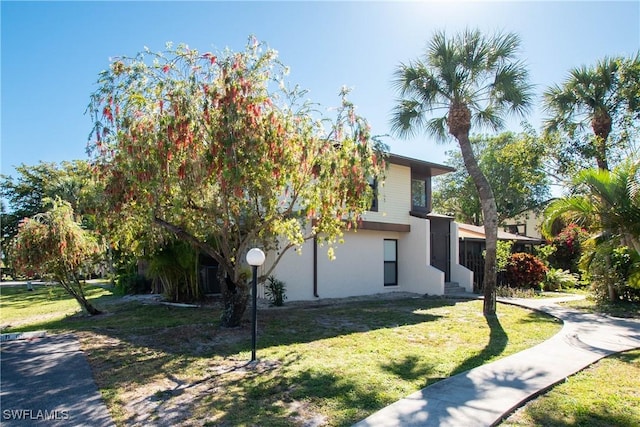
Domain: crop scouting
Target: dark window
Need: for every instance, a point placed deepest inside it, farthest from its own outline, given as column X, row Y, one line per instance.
column 418, row 194
column 390, row 262
column 373, row 183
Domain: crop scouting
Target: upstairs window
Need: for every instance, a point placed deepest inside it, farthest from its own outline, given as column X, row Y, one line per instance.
column 373, row 183
column 418, row 195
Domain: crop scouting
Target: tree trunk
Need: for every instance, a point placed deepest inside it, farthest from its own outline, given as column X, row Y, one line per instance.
column 459, row 122
column 77, row 293
column 234, row 300
column 601, row 125
column 234, row 294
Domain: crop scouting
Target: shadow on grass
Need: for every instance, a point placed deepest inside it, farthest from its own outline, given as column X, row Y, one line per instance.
column 152, row 339
column 244, row 395
column 498, row 341
column 410, row 368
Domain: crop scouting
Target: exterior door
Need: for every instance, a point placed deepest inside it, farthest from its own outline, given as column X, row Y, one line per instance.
column 441, row 245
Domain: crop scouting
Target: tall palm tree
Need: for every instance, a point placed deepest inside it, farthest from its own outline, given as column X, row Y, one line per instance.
column 468, row 78
column 592, row 96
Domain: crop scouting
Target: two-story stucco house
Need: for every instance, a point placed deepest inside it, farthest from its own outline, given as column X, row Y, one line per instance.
column 399, row 246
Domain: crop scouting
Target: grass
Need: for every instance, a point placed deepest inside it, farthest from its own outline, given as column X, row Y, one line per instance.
column 18, row 306
column 603, row 395
column 324, row 365
column 619, row 309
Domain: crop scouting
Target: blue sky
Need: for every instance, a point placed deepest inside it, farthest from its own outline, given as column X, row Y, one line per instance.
column 52, row 52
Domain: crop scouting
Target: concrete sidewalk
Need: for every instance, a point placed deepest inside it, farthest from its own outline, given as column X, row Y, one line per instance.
column 47, row 381
column 482, row 396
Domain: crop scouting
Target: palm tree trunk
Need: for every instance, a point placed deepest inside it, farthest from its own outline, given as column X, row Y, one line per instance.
column 490, row 214
column 601, row 125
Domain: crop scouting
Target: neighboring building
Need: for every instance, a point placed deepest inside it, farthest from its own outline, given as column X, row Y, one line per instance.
column 526, row 224
column 399, row 246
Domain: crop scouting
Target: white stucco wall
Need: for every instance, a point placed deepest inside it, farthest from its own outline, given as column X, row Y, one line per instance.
column 459, row 273
column 356, row 270
column 358, row 267
column 414, row 254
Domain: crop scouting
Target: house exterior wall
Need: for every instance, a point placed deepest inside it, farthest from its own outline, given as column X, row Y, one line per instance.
column 358, row 267
column 459, row 273
column 414, row 254
column 394, row 197
column 527, row 224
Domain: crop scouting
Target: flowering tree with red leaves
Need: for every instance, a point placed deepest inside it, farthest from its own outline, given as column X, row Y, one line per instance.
column 215, row 149
column 54, row 244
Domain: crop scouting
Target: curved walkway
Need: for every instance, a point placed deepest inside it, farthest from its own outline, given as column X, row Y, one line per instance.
column 483, row 395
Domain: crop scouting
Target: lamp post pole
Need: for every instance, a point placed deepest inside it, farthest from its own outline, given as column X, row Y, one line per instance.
column 254, row 314
column 255, row 258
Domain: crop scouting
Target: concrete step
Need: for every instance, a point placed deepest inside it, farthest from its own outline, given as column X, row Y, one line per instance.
column 453, row 288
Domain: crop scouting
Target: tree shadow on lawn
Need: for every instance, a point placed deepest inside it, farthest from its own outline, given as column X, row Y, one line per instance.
column 443, row 397
column 196, row 331
column 160, row 350
column 259, row 394
column 498, row 341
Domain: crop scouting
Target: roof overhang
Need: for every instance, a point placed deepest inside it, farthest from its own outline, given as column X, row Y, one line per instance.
column 475, row 232
column 420, row 166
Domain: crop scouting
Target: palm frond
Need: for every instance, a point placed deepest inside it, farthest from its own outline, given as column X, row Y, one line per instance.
column 438, row 128
column 576, row 209
column 467, row 69
column 407, row 118
column 491, row 116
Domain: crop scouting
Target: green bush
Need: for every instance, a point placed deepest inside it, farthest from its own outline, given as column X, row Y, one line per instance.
column 525, row 271
column 132, row 284
column 275, row 291
column 613, row 272
column 557, row 279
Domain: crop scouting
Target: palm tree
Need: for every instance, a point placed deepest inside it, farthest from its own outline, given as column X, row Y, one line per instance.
column 593, row 95
column 469, row 78
column 609, row 208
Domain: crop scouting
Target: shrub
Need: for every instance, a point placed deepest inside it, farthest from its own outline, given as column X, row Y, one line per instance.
column 613, row 272
column 275, row 291
column 132, row 284
column 525, row 271
column 568, row 244
column 557, row 279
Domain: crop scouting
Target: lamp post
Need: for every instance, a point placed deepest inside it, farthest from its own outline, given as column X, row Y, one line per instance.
column 255, row 258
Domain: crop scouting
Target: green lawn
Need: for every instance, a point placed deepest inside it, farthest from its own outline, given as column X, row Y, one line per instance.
column 332, row 365
column 604, row 395
column 21, row 309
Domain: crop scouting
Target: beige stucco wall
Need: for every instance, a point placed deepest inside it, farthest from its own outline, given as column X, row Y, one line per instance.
column 358, row 267
column 417, row 274
column 532, row 221
column 394, row 197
